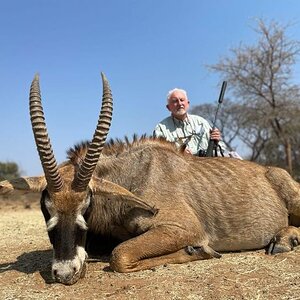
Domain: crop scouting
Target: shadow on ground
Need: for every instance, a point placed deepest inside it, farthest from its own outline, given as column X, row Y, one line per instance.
column 31, row 262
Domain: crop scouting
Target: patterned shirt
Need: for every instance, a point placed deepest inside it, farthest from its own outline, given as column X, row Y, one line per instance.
column 193, row 130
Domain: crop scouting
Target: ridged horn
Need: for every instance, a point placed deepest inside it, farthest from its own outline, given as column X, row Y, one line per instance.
column 87, row 167
column 42, row 140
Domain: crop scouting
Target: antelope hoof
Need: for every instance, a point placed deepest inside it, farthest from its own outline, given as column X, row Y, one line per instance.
column 284, row 241
column 203, row 252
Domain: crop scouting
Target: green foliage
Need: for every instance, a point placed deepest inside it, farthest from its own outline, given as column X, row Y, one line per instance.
column 9, row 170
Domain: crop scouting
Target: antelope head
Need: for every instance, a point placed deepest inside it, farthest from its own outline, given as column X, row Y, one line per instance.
column 66, row 189
column 67, row 193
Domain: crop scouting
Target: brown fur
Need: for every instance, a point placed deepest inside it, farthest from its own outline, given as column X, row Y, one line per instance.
column 117, row 146
column 229, row 201
column 202, row 205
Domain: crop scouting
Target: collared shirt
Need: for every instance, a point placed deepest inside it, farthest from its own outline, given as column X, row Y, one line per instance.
column 193, row 130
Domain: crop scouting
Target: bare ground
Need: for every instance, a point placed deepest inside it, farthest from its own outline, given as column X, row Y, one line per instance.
column 26, row 255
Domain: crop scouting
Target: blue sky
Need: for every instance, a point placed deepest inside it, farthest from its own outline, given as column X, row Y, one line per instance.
column 144, row 47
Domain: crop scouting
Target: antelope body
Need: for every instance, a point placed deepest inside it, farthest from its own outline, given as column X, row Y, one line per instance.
column 156, row 204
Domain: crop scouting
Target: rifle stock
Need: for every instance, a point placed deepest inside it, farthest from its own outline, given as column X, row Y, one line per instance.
column 210, row 148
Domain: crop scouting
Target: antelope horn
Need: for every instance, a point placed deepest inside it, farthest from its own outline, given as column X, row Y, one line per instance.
column 42, row 140
column 89, row 163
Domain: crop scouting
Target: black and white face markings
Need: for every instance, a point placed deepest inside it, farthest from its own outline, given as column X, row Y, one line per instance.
column 67, row 233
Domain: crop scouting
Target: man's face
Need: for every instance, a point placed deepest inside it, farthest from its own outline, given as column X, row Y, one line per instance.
column 178, row 105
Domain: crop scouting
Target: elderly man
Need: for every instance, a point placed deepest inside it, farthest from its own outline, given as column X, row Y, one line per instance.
column 191, row 131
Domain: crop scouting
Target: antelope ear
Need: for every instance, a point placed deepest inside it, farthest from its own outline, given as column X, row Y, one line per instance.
column 114, row 191
column 24, row 184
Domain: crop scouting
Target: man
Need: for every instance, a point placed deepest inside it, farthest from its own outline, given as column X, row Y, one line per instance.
column 190, row 131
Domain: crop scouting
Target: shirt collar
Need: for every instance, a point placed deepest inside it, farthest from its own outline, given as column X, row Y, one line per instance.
column 181, row 122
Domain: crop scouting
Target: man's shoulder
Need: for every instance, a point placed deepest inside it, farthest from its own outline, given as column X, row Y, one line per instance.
column 165, row 121
column 163, row 127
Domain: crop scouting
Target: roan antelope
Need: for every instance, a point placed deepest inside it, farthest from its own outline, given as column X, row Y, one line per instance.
column 154, row 204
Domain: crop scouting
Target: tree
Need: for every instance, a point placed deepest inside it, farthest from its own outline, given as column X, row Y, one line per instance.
column 260, row 79
column 9, row 170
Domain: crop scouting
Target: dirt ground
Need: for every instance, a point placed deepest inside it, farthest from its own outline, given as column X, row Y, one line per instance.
column 26, row 256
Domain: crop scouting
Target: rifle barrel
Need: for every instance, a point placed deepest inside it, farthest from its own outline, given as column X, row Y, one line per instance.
column 221, row 97
column 212, row 144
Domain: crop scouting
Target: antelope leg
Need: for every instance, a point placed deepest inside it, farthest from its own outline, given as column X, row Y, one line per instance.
column 158, row 246
column 285, row 240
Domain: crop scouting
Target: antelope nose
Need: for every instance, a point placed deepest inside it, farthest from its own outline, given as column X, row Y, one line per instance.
column 64, row 276
column 61, row 277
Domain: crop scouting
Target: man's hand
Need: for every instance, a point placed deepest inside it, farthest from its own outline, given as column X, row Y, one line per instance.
column 188, row 151
column 215, row 134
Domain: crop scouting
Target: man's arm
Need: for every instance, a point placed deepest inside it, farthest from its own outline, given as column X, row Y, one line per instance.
column 157, row 132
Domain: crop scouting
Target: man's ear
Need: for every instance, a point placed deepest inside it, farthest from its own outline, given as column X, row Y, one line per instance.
column 114, row 191
column 24, row 184
column 167, row 106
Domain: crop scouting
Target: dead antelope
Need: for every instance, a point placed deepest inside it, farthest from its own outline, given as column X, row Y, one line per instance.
column 159, row 205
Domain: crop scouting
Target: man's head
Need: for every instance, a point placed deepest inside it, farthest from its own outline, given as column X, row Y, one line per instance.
column 178, row 103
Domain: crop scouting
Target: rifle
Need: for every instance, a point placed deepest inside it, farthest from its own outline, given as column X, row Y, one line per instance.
column 213, row 143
